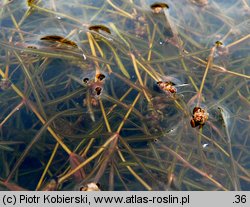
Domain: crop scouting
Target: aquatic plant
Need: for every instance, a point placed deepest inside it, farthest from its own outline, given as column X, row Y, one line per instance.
column 124, row 95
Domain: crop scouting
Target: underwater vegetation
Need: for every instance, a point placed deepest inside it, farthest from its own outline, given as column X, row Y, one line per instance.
column 124, row 95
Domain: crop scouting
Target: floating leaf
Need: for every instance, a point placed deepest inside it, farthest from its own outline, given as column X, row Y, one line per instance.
column 56, row 38
column 158, row 7
column 98, row 28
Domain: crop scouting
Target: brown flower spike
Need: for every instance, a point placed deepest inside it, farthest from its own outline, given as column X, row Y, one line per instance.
column 200, row 116
column 167, row 87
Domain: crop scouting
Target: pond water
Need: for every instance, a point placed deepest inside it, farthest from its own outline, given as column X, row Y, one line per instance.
column 129, row 94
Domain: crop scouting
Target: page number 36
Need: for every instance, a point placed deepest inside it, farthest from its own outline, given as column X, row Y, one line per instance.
column 240, row 199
